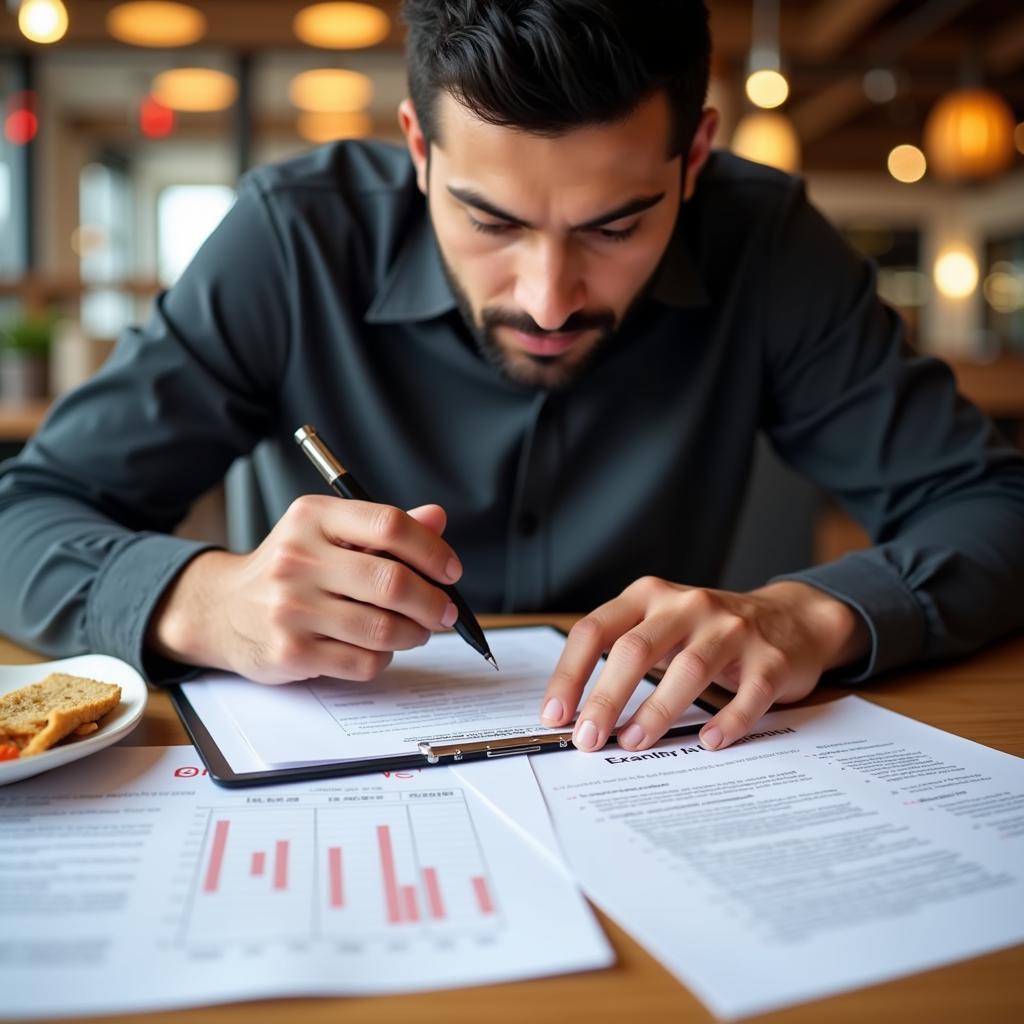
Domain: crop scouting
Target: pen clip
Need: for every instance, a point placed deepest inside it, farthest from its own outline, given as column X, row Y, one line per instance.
column 433, row 752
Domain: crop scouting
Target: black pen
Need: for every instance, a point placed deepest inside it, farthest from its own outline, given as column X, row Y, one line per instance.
column 345, row 485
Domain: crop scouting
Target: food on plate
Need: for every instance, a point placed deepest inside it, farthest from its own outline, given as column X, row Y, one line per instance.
column 33, row 718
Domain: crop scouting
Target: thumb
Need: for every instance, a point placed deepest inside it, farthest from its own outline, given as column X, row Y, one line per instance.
column 433, row 517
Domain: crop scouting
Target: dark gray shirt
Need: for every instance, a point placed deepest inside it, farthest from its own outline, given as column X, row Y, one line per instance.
column 321, row 298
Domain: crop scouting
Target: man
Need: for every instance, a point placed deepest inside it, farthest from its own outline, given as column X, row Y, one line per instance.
column 564, row 320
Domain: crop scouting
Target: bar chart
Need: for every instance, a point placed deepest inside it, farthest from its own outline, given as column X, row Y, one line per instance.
column 358, row 866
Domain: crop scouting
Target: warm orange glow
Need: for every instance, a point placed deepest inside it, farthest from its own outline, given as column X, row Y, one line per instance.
column 331, row 90
column 341, row 26
column 156, row 23
column 767, row 138
column 767, row 88
column 907, row 164
column 969, row 135
column 956, row 273
column 327, row 127
column 195, row 89
column 43, row 21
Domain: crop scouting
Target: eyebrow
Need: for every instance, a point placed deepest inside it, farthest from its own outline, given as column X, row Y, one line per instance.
column 638, row 205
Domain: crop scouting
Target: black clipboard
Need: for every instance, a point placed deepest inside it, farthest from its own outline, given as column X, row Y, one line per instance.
column 221, row 772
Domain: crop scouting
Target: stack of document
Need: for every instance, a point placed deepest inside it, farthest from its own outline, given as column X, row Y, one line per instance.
column 443, row 693
column 835, row 847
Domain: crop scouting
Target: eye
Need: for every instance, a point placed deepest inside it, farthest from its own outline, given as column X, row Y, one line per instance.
column 617, row 234
column 487, row 228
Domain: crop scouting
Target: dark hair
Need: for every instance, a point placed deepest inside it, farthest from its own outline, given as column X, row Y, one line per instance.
column 549, row 66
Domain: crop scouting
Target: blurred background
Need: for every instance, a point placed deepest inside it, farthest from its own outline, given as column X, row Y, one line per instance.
column 125, row 127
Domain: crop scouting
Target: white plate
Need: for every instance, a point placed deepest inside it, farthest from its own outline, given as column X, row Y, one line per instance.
column 115, row 724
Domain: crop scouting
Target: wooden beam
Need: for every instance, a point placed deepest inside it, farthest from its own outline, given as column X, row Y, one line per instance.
column 1004, row 49
column 831, row 106
column 834, row 24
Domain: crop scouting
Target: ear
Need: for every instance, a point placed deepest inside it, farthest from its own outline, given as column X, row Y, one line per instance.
column 700, row 148
column 417, row 144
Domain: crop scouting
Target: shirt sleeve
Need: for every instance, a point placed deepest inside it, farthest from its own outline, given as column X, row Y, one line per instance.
column 87, row 507
column 883, row 429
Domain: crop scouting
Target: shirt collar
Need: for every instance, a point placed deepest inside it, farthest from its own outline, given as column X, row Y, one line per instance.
column 417, row 286
column 677, row 281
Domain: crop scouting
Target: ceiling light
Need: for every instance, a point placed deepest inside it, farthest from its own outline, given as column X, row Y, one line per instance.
column 769, row 138
column 969, row 135
column 43, row 21
column 956, row 273
column 318, row 126
column 156, row 23
column 331, row 90
column 341, row 26
column 767, row 88
column 907, row 164
column 195, row 89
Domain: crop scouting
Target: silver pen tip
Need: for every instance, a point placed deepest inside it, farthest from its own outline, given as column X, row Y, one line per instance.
column 490, row 658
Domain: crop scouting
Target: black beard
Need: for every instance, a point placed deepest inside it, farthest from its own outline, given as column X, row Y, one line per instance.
column 550, row 375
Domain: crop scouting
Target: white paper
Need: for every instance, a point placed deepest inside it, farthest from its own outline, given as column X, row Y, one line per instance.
column 443, row 692
column 838, row 846
column 131, row 883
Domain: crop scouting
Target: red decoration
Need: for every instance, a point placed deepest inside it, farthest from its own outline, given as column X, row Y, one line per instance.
column 21, row 127
column 155, row 120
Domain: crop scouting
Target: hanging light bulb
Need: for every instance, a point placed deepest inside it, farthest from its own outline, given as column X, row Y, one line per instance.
column 766, row 86
column 767, row 137
column 969, row 135
column 43, row 21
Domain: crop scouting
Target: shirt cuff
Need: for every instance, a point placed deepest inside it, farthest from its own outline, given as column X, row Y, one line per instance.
column 872, row 588
column 125, row 593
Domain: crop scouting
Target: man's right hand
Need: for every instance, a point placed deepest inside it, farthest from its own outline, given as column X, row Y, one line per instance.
column 316, row 598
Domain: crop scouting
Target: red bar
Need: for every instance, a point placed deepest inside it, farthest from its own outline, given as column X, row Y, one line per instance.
column 410, row 905
column 433, row 886
column 259, row 860
column 387, row 870
column 220, row 840
column 281, row 864
column 334, row 876
column 483, row 895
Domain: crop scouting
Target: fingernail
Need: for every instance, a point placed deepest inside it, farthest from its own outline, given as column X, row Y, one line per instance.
column 451, row 613
column 632, row 736
column 552, row 710
column 586, row 735
column 453, row 569
column 711, row 738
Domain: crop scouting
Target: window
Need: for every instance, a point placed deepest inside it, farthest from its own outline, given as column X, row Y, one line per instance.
column 186, row 214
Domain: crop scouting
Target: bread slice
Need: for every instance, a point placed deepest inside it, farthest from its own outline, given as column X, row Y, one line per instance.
column 35, row 717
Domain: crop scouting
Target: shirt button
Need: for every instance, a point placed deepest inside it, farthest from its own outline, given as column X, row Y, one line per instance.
column 528, row 523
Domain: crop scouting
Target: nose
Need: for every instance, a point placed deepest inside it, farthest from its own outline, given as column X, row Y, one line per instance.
column 548, row 285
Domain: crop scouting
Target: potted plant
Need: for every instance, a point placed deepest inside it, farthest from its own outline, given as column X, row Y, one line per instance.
column 24, row 353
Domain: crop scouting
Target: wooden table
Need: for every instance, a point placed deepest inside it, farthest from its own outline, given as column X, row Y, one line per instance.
column 981, row 698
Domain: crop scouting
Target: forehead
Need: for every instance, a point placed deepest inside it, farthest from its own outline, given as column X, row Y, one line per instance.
column 627, row 156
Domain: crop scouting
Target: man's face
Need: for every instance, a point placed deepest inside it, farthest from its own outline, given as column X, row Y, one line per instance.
column 548, row 241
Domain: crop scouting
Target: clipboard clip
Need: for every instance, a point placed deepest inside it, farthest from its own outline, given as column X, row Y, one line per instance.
column 434, row 752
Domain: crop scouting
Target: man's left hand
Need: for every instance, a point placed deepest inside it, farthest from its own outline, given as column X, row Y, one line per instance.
column 766, row 646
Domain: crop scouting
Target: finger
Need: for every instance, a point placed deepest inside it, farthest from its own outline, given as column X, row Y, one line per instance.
column 386, row 584
column 363, row 625
column 433, row 517
column 710, row 652
column 588, row 639
column 368, row 525
column 755, row 695
column 308, row 657
column 630, row 656
column 687, row 674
